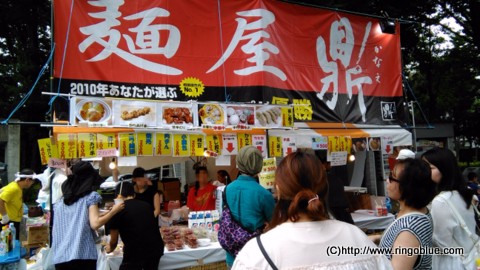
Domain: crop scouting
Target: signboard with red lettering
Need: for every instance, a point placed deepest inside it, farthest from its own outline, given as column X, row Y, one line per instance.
column 260, row 141
column 87, row 145
column 230, row 144
column 331, row 66
column 67, row 146
column 163, row 145
column 127, row 144
column 47, row 150
column 145, row 143
column 289, row 145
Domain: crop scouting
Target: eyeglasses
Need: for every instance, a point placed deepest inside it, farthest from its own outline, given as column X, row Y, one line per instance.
column 392, row 179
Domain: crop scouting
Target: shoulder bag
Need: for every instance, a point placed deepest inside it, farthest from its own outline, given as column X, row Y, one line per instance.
column 264, row 252
column 232, row 236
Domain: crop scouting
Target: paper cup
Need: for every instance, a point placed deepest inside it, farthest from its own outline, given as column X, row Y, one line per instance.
column 118, row 201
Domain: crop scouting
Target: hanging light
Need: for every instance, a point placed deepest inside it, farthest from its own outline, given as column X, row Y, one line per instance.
column 351, row 158
column 112, row 165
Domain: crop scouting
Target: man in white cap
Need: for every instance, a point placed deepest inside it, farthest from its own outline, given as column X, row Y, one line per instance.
column 11, row 198
column 250, row 204
column 404, row 154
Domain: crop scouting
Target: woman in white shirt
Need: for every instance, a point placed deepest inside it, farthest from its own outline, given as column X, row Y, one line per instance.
column 301, row 235
column 447, row 231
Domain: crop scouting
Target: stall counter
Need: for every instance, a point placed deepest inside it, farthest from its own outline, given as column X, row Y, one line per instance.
column 186, row 257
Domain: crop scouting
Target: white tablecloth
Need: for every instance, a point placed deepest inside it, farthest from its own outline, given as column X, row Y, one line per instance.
column 179, row 258
column 366, row 219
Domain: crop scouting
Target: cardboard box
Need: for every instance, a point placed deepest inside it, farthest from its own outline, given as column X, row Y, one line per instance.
column 37, row 235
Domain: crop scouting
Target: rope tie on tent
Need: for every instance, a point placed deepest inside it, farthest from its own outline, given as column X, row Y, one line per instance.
column 52, row 100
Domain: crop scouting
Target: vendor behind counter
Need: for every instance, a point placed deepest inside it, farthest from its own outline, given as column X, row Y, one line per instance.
column 201, row 197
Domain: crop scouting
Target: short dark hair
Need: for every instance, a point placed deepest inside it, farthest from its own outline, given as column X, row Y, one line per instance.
column 201, row 168
column 138, row 172
column 415, row 183
column 471, row 176
column 127, row 189
column 26, row 171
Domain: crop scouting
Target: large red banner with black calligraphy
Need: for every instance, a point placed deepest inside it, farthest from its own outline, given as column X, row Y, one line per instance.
column 334, row 67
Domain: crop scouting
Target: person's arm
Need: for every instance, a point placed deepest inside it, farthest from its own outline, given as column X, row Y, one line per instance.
column 156, row 204
column 97, row 221
column 375, row 238
column 3, row 212
column 113, row 241
column 405, row 240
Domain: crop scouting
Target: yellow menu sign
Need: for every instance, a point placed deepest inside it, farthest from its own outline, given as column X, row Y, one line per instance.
column 47, row 150
column 275, row 146
column 287, row 116
column 106, row 141
column 163, row 144
column 67, row 146
column 243, row 139
column 214, row 143
column 196, row 145
column 128, row 145
column 87, row 145
column 145, row 144
column 180, row 145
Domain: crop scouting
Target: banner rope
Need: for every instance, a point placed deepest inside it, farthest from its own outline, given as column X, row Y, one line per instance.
column 29, row 93
column 52, row 100
column 227, row 96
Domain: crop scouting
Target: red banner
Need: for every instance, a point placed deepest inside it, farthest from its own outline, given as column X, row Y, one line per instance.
column 340, row 66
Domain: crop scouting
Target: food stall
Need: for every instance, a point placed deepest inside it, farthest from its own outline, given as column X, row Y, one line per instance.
column 146, row 104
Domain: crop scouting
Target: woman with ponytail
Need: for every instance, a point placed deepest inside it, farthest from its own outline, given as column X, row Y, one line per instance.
column 301, row 234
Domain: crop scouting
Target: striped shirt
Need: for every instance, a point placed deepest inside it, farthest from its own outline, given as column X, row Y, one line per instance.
column 73, row 238
column 421, row 226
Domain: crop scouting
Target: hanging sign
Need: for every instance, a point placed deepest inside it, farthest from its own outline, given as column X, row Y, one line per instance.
column 163, row 145
column 214, row 144
column 87, row 145
column 320, row 143
column 275, row 146
column 145, row 143
column 107, row 141
column 230, row 144
column 243, row 140
column 196, row 145
column 67, row 146
column 267, row 175
column 47, row 150
column 260, row 141
column 339, row 158
column 180, row 145
column 128, row 145
column 387, row 145
column 288, row 145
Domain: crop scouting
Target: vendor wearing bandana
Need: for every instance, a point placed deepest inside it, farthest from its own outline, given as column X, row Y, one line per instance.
column 11, row 198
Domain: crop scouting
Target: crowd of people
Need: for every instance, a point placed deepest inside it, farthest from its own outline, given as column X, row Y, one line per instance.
column 301, row 220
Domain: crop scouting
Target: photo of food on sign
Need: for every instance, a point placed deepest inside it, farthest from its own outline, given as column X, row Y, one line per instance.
column 134, row 113
column 374, row 144
column 240, row 115
column 359, row 144
column 268, row 116
column 177, row 115
column 92, row 110
column 211, row 114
